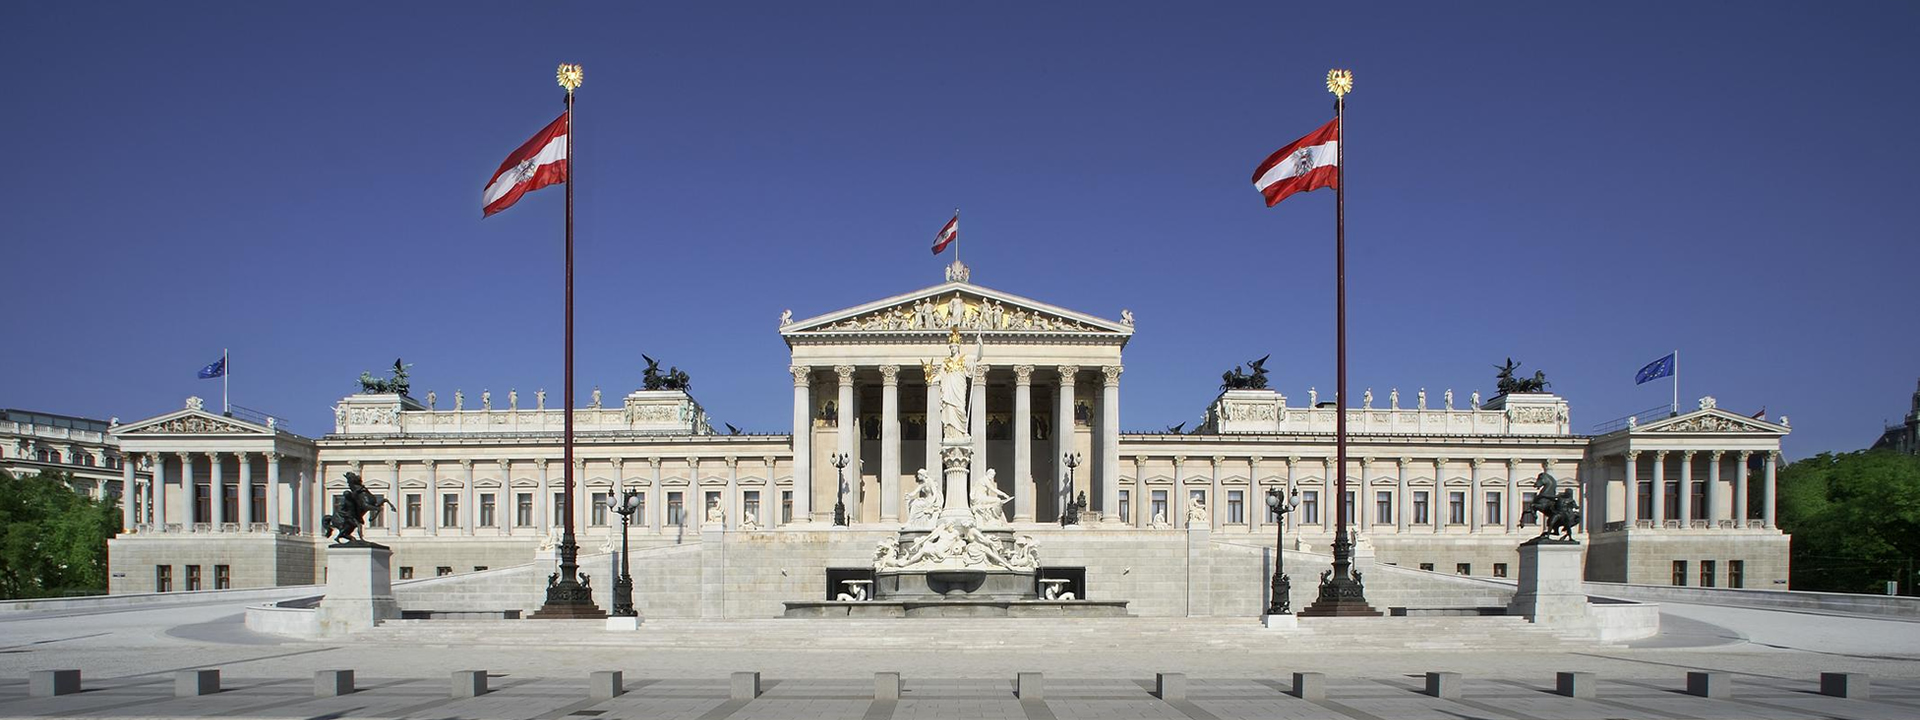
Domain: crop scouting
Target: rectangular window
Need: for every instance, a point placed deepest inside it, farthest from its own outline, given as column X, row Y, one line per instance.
column 1736, row 573
column 413, row 510
column 1427, row 567
column 1383, row 507
column 449, row 510
column 1707, row 568
column 1126, row 506
column 259, row 503
column 442, row 571
column 1680, row 573
column 786, row 506
column 222, row 577
column 676, row 510
column 406, row 572
column 1493, row 508
column 523, row 509
column 1349, row 508
column 163, row 578
column 598, row 515
column 559, row 509
column 1310, row 507
column 750, row 505
column 1456, row 508
column 1236, row 507
column 1462, row 569
column 1421, row 516
column 640, row 509
column 1159, row 506
column 486, row 510
column 193, row 577
column 1499, row 569
column 479, row 568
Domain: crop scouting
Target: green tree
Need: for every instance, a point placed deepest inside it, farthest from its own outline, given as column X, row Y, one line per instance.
column 53, row 541
column 1855, row 520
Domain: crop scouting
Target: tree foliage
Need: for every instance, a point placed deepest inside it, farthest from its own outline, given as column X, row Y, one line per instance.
column 1855, row 520
column 53, row 541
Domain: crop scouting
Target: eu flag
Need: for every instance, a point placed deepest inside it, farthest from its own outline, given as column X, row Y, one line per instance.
column 214, row 369
column 1655, row 370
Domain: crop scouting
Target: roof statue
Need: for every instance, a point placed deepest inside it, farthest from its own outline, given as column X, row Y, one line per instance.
column 1235, row 379
column 673, row 379
column 397, row 385
column 1511, row 385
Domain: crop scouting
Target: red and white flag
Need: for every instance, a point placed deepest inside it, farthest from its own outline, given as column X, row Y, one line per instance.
column 542, row 161
column 1310, row 163
column 948, row 233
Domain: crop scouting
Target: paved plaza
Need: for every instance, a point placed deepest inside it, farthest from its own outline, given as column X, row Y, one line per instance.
column 1770, row 659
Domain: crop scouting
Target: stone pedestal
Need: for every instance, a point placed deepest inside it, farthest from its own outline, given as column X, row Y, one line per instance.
column 359, row 589
column 1246, row 411
column 1551, row 587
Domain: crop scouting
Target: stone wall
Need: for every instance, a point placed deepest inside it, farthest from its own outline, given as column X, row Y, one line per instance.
column 254, row 560
column 1647, row 556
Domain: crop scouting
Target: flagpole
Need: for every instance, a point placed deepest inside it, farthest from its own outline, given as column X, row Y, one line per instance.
column 1675, row 409
column 226, row 369
column 1341, row 593
column 566, row 596
column 956, row 237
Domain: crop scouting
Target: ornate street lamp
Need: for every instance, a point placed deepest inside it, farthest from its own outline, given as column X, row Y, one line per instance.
column 1069, row 513
column 627, row 504
column 1282, row 590
column 840, row 461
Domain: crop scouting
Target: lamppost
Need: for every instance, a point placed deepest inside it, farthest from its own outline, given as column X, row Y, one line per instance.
column 627, row 504
column 1069, row 513
column 840, row 461
column 1282, row 590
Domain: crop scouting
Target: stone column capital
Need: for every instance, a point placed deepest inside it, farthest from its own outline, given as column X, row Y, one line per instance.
column 769, row 460
column 392, row 464
column 273, row 457
column 1365, row 461
column 1477, row 462
column 1745, row 455
column 1111, row 374
column 654, row 460
column 1218, row 459
column 890, row 374
column 1255, row 459
column 980, row 371
column 1178, row 459
column 845, row 372
column 1774, row 456
column 1023, row 374
column 1687, row 454
column 1139, row 459
column 732, row 461
column 429, row 462
column 617, row 461
column 802, row 375
column 1513, row 463
column 1067, row 373
column 1404, row 462
column 1437, row 462
column 211, row 454
column 1293, row 460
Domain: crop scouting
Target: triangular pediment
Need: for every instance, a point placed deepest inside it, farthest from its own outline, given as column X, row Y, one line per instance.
column 193, row 421
column 971, row 308
column 1711, row 420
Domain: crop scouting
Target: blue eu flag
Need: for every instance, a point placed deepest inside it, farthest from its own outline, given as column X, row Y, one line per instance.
column 214, row 369
column 1655, row 370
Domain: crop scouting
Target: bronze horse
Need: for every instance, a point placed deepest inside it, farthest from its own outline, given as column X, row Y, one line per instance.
column 1559, row 511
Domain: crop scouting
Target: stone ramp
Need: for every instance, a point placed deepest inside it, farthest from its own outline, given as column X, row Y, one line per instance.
column 1133, row 635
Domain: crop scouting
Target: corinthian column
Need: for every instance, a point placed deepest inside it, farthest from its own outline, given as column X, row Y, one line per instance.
column 977, row 417
column 932, row 423
column 802, row 450
column 128, row 496
column 1110, row 444
column 847, row 434
column 246, row 491
column 1023, row 443
column 218, row 502
column 192, row 493
column 889, row 443
column 1063, row 428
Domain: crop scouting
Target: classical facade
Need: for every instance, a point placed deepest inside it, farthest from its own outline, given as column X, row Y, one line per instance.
column 1437, row 483
column 83, row 448
column 1904, row 437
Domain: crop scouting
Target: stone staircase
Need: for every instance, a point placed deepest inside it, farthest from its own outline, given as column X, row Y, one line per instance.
column 1133, row 635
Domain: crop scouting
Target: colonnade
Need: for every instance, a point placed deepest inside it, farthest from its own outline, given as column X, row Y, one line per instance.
column 1655, row 511
column 145, row 503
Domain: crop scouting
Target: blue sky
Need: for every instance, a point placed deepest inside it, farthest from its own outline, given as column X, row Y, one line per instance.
column 1581, row 187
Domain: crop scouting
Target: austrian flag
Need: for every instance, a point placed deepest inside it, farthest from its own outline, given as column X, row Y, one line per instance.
column 542, row 161
column 1310, row 163
column 948, row 233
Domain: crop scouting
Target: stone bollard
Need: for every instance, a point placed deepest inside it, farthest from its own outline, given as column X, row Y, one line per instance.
column 746, row 686
column 886, row 686
column 469, row 683
column 1310, row 686
column 1843, row 685
column 606, row 685
column 1029, row 686
column 1445, row 685
column 48, row 683
column 1574, row 684
column 1171, row 687
column 1708, row 684
column 332, row 683
column 194, row 683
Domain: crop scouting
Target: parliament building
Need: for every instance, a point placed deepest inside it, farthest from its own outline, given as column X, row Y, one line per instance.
column 1436, row 483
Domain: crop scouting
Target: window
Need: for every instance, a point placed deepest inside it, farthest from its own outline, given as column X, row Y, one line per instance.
column 1159, row 506
column 1493, row 509
column 1526, row 501
column 1699, row 501
column 1736, row 573
column 750, row 505
column 523, row 509
column 1383, row 507
column 222, row 577
column 1421, row 516
column 676, row 510
column 598, row 513
column 163, row 578
column 486, row 510
column 229, row 503
column 1499, row 569
column 449, row 510
column 406, row 572
column 479, row 568
column 413, row 510
column 1310, row 507
column 1126, row 506
column 1236, row 506
column 1462, row 569
column 559, row 509
column 1707, row 573
column 442, row 571
column 1680, row 573
column 259, row 502
column 640, row 510
column 193, row 577
column 1456, row 508
column 786, row 506
column 1427, row 567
